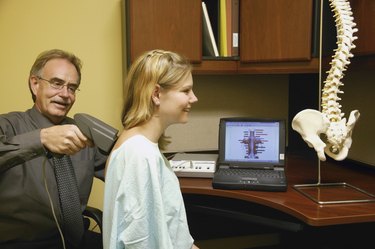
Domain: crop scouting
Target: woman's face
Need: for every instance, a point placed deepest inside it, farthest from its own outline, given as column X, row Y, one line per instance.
column 175, row 103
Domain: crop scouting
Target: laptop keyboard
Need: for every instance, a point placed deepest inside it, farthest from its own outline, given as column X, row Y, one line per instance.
column 253, row 173
column 250, row 179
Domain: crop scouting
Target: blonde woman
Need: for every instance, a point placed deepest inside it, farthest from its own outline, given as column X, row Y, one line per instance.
column 143, row 205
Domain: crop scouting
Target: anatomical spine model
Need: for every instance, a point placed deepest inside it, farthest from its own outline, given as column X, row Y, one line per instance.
column 329, row 124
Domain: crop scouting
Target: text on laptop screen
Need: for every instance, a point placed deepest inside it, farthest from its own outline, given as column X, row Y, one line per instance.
column 253, row 141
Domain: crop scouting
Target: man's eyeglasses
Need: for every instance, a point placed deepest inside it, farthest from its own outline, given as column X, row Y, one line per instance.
column 59, row 84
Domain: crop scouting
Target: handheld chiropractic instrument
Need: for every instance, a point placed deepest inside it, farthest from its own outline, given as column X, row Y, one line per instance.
column 103, row 135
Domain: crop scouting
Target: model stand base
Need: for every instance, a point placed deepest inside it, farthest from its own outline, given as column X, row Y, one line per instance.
column 334, row 193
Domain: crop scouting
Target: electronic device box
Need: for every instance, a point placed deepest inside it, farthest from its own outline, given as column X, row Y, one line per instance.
column 194, row 165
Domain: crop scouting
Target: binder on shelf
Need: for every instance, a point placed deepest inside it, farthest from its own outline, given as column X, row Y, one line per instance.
column 228, row 18
column 223, row 28
column 228, row 27
column 235, row 8
column 209, row 42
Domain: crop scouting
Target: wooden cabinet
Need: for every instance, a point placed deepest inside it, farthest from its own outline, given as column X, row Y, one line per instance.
column 275, row 35
column 363, row 12
column 174, row 25
column 274, row 30
column 364, row 53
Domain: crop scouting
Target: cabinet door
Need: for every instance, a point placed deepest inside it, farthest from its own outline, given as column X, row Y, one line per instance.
column 275, row 30
column 174, row 25
column 363, row 13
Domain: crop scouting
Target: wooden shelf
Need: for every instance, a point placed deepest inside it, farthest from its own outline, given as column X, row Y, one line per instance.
column 236, row 67
column 215, row 67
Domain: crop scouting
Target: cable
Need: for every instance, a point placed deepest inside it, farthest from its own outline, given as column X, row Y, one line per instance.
column 51, row 203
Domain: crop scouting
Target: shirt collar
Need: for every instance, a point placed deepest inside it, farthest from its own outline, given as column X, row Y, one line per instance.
column 43, row 121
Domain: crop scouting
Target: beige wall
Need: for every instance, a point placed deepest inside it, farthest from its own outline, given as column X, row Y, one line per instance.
column 359, row 94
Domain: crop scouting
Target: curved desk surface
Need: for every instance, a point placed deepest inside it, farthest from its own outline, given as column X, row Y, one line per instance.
column 295, row 204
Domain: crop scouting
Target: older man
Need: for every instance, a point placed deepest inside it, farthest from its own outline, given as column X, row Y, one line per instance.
column 31, row 211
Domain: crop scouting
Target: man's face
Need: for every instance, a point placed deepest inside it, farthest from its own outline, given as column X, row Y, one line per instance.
column 51, row 102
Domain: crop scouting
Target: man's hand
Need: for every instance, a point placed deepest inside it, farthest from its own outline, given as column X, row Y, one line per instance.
column 64, row 139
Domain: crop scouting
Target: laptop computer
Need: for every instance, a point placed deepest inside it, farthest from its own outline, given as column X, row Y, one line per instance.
column 251, row 155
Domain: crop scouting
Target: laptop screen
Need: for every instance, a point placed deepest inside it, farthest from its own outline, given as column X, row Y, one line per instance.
column 246, row 141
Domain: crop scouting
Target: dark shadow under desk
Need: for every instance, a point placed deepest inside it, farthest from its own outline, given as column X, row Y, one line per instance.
column 297, row 218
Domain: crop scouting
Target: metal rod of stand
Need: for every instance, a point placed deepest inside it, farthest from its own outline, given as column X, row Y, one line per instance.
column 320, row 71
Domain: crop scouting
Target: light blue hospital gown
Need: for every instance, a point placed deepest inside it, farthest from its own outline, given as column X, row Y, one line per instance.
column 143, row 205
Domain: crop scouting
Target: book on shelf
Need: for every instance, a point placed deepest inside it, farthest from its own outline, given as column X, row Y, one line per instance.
column 223, row 28
column 229, row 27
column 228, row 19
column 209, row 42
column 235, row 8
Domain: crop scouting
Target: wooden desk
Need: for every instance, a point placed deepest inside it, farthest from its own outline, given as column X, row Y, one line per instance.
column 293, row 203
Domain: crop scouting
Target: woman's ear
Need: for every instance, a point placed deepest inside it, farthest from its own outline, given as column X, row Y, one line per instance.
column 156, row 95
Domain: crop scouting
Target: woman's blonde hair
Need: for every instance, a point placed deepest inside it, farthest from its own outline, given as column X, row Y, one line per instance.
column 153, row 67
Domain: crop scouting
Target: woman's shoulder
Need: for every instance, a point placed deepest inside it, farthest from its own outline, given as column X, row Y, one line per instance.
column 135, row 143
column 139, row 140
column 136, row 150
